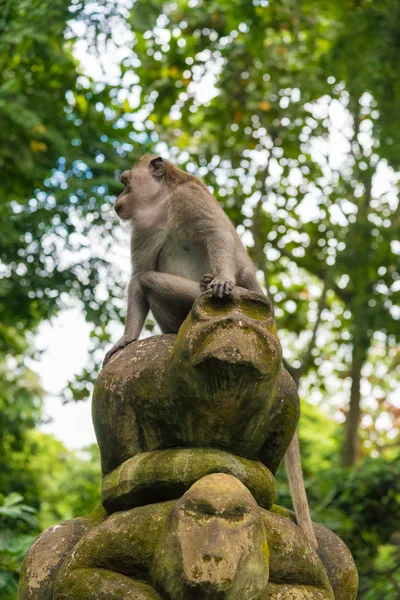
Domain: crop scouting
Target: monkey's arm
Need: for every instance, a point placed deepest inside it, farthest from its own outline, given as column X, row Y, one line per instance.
column 138, row 308
column 221, row 250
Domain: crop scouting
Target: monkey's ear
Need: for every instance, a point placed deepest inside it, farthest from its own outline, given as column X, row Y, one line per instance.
column 158, row 166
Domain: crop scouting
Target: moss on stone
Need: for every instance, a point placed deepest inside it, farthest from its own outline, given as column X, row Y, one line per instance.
column 338, row 562
column 46, row 556
column 166, row 474
column 292, row 559
column 124, row 543
column 100, row 584
column 282, row 512
column 295, row 592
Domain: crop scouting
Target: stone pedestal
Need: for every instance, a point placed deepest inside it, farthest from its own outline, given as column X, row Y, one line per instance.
column 191, row 429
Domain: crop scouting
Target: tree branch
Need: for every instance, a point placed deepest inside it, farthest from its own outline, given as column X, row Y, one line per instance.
column 256, row 230
column 298, row 372
column 307, row 356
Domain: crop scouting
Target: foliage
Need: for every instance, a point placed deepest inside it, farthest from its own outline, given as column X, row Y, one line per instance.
column 60, row 145
column 365, row 55
column 361, row 505
column 289, row 112
column 70, row 484
column 66, row 484
column 14, row 540
column 371, row 495
column 20, row 410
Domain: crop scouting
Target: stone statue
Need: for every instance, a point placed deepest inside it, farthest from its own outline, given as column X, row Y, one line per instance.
column 192, row 428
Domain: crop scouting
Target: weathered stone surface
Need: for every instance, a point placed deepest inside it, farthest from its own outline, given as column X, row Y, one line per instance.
column 334, row 555
column 223, row 369
column 213, row 544
column 130, row 394
column 97, row 584
column 338, row 562
column 295, row 592
column 124, row 543
column 156, row 542
column 47, row 554
column 120, row 555
column 218, row 383
column 283, row 416
column 166, row 474
column 293, row 561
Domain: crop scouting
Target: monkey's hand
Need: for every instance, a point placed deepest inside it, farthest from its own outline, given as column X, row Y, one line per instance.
column 220, row 287
column 124, row 341
column 205, row 282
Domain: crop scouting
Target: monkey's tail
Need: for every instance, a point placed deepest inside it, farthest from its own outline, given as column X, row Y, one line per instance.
column 298, row 491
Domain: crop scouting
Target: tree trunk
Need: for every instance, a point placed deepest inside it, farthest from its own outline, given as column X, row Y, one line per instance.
column 350, row 445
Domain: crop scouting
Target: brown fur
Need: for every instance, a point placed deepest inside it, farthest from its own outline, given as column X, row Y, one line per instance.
column 174, row 176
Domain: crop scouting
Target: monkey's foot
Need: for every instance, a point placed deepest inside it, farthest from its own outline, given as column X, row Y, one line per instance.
column 205, row 282
column 122, row 343
column 220, row 287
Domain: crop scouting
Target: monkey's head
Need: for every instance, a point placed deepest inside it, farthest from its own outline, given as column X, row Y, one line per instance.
column 141, row 184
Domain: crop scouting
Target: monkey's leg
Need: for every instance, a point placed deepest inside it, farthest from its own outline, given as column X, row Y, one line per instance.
column 170, row 298
column 248, row 280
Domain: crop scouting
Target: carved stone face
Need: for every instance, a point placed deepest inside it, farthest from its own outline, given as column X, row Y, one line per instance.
column 227, row 354
column 214, row 544
column 237, row 330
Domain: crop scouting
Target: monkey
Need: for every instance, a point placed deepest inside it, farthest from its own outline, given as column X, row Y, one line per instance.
column 182, row 244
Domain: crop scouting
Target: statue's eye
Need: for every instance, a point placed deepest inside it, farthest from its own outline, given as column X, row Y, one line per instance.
column 235, row 513
column 257, row 309
column 221, row 308
column 199, row 509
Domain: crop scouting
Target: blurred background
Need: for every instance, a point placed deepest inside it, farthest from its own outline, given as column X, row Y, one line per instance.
column 290, row 112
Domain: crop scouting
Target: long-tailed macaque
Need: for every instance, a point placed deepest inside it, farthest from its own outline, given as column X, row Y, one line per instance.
column 183, row 244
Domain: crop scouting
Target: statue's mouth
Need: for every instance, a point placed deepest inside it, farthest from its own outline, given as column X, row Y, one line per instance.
column 237, row 342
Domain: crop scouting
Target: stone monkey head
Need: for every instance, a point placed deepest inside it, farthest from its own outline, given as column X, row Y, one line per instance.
column 213, row 544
